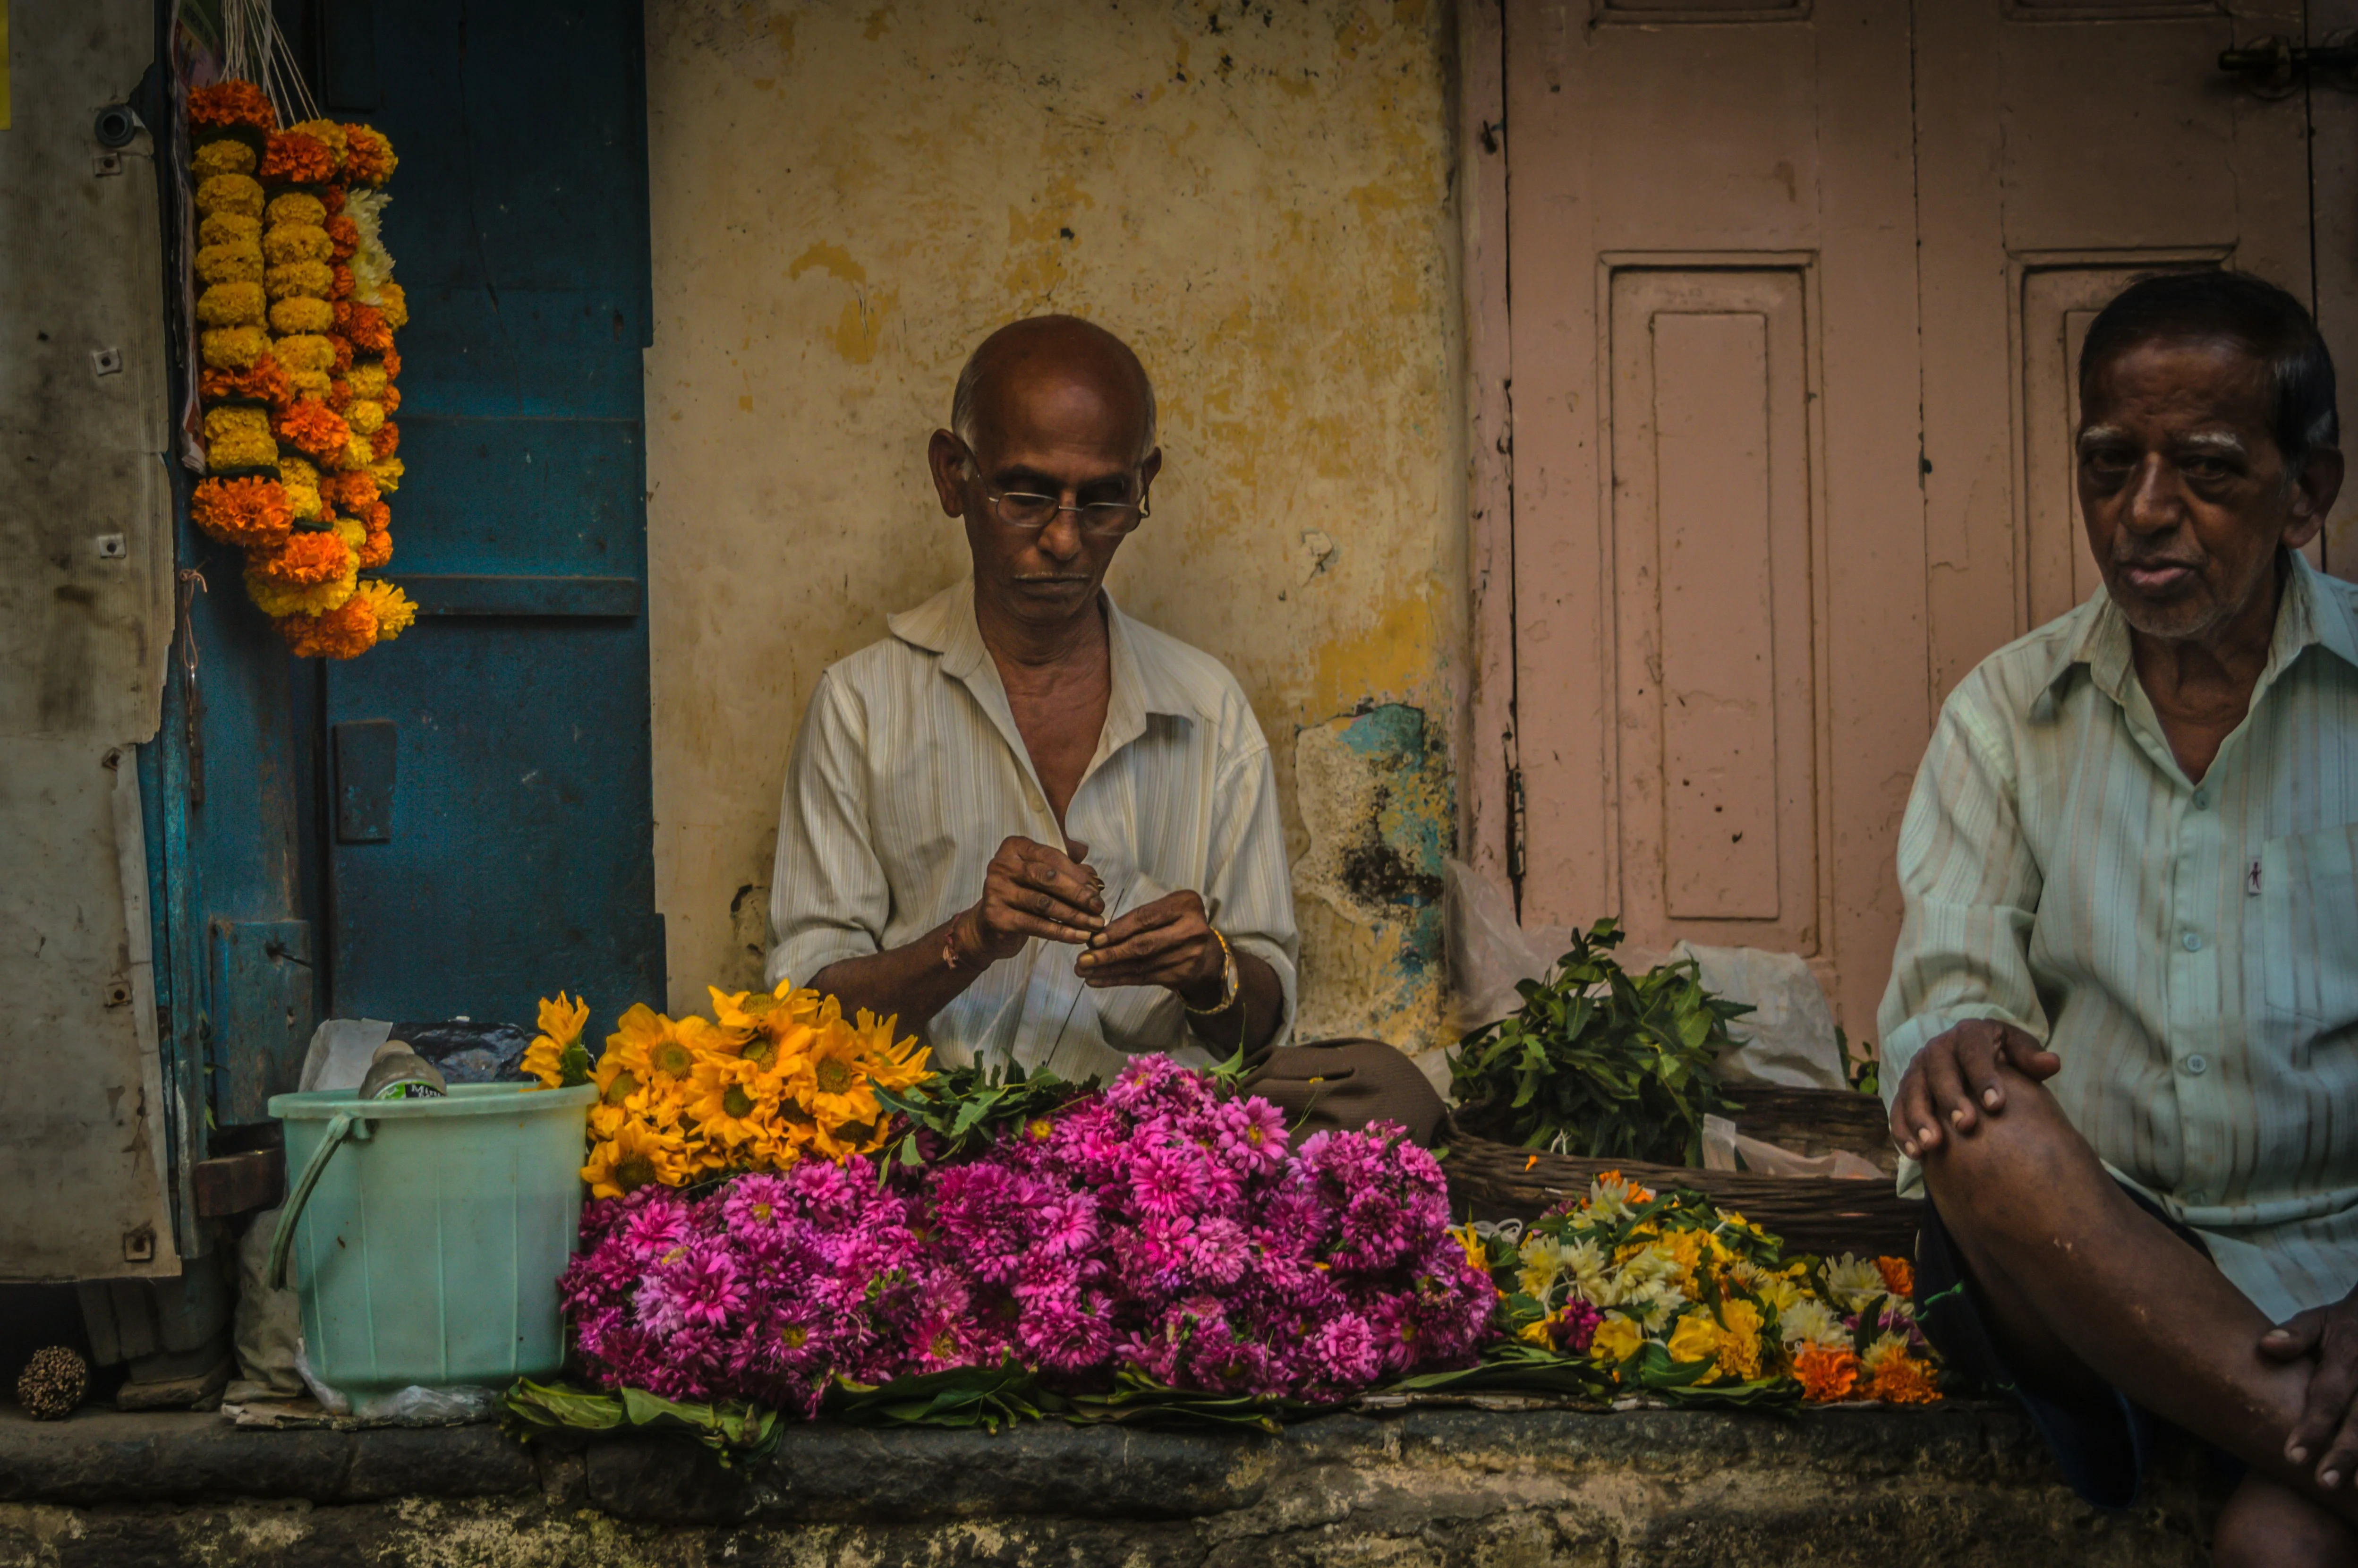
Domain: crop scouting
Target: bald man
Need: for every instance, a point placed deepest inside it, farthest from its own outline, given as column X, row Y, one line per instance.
column 1032, row 827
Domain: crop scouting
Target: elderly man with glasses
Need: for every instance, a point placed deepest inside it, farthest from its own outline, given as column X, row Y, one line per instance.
column 1020, row 772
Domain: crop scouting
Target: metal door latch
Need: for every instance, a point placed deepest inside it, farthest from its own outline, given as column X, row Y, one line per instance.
column 2272, row 67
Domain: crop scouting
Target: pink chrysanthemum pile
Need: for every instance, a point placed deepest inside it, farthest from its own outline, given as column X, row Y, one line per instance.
column 1151, row 1228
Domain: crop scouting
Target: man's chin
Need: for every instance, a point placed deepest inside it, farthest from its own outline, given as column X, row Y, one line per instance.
column 2172, row 616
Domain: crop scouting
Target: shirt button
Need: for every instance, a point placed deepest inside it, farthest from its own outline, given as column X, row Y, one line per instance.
column 2193, row 942
column 2197, row 1063
column 2202, row 800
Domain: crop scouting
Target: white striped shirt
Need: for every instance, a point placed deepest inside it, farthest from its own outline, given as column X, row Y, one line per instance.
column 2190, row 951
column 909, row 772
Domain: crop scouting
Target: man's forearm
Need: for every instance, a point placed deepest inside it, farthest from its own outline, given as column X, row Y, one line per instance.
column 910, row 982
column 1259, row 1008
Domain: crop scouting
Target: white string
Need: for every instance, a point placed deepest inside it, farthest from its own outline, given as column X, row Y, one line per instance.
column 254, row 49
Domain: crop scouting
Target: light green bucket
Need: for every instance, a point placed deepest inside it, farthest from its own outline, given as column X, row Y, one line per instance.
column 429, row 1233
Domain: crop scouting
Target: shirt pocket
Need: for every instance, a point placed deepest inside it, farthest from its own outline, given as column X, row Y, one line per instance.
column 2309, row 911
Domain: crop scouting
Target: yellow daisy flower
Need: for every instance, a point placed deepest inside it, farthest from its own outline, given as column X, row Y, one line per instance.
column 561, row 1023
column 636, row 1156
column 732, row 1100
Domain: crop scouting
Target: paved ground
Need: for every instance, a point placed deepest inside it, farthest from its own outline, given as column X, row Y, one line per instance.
column 1647, row 1489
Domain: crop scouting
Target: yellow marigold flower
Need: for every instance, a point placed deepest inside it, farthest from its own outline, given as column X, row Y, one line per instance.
column 232, row 305
column 358, row 454
column 297, row 208
column 308, row 386
column 364, row 415
column 233, row 348
column 275, row 599
column 396, row 613
column 1895, row 1376
column 327, row 132
column 290, row 245
column 221, row 422
column 368, row 381
column 349, row 531
column 1740, row 1344
column 229, row 263
column 636, row 1156
column 387, row 474
column 1616, row 1339
column 298, row 315
column 305, row 352
column 238, row 193
column 305, row 279
column 231, row 229
column 394, row 302
column 226, row 155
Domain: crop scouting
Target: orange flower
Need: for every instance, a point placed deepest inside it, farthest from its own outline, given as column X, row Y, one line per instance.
column 343, row 633
column 392, row 364
column 364, row 325
column 343, row 347
column 316, row 430
column 304, row 559
column 228, row 103
column 392, row 399
column 294, row 158
column 368, row 156
column 376, row 549
column 386, row 441
column 1897, row 1277
column 339, row 396
column 377, row 516
column 340, row 286
column 1826, row 1372
column 1903, row 1380
column 355, row 492
column 344, row 235
column 264, row 382
column 250, row 512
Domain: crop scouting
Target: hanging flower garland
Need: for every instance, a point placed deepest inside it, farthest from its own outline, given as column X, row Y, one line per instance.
column 297, row 310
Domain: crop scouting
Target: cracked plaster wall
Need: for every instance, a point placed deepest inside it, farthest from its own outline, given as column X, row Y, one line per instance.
column 847, row 197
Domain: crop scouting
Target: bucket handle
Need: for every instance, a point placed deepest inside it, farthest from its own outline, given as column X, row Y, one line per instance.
column 339, row 1126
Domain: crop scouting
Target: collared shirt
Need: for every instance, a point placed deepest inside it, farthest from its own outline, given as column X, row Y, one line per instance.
column 2190, row 950
column 909, row 773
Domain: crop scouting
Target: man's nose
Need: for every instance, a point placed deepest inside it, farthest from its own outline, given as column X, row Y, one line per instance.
column 1060, row 536
column 2156, row 504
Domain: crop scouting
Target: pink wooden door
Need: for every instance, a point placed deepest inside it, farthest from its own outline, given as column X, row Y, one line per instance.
column 1775, row 485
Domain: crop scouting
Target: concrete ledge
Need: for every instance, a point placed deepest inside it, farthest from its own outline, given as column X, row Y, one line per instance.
column 1958, row 1485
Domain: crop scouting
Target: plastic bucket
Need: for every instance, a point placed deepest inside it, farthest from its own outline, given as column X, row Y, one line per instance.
column 427, row 1234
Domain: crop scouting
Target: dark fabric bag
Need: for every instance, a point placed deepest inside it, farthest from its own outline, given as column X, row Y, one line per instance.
column 1346, row 1084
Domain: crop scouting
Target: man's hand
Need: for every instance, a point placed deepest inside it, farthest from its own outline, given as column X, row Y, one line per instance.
column 1031, row 890
column 1166, row 943
column 2328, row 1428
column 1954, row 1081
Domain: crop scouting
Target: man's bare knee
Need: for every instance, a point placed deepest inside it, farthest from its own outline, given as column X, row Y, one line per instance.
column 2011, row 1170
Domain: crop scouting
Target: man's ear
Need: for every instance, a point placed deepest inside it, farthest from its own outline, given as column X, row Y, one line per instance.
column 2314, row 490
column 1147, row 470
column 945, row 455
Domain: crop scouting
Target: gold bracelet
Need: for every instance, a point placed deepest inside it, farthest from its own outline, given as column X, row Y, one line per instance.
column 1231, row 986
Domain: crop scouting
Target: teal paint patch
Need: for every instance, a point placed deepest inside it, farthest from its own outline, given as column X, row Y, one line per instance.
column 1393, row 865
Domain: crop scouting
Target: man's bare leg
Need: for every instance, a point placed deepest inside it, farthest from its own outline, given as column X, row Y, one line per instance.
column 2080, row 1282
column 2265, row 1525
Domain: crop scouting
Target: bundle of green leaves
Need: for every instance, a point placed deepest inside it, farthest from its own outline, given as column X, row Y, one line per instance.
column 1599, row 1063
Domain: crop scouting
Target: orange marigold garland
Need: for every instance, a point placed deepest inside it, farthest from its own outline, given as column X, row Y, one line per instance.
column 298, row 305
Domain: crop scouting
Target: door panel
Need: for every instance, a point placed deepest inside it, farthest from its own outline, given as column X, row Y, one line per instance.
column 511, row 851
column 1712, row 537
column 1719, row 575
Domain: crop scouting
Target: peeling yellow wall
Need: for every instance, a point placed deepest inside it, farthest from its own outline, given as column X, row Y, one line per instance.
column 848, row 197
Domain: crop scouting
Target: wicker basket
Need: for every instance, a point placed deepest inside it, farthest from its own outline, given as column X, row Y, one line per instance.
column 1490, row 1180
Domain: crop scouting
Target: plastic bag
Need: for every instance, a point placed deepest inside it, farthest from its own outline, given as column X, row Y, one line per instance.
column 268, row 1326
column 1487, row 951
column 1788, row 1040
column 1725, row 1148
column 458, row 1405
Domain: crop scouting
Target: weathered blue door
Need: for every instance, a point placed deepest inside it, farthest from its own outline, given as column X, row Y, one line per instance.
column 489, row 828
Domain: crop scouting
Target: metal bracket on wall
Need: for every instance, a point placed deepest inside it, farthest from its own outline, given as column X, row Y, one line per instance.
column 2273, row 67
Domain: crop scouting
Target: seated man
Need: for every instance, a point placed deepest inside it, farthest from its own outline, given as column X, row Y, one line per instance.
column 1021, row 771
column 2121, row 1031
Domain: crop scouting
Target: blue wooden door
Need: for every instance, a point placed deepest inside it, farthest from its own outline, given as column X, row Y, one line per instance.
column 489, row 822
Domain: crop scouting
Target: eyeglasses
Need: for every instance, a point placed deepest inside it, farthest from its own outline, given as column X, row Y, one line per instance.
column 1030, row 512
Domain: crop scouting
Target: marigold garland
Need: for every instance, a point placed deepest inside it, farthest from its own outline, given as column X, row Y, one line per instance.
column 295, row 297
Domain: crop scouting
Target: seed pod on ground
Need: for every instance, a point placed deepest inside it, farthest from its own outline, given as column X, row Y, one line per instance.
column 52, row 1383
